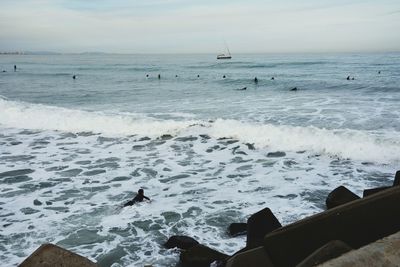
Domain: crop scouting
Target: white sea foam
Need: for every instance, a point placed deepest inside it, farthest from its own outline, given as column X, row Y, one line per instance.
column 42, row 117
column 344, row 143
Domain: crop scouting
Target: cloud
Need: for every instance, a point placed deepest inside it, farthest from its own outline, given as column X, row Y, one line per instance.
column 196, row 26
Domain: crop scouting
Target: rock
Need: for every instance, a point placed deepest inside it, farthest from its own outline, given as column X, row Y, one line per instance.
column 330, row 251
column 236, row 229
column 51, row 255
column 256, row 257
column 397, row 179
column 339, row 196
column 356, row 223
column 180, row 241
column 368, row 192
column 200, row 256
column 258, row 225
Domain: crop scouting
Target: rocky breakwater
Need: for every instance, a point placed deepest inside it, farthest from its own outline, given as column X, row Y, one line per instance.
column 349, row 223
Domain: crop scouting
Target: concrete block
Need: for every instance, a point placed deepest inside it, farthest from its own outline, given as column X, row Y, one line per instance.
column 339, row 196
column 256, row 257
column 356, row 223
column 49, row 255
column 384, row 252
column 330, row 251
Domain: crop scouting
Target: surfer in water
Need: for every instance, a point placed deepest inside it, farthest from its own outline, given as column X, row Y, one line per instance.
column 138, row 198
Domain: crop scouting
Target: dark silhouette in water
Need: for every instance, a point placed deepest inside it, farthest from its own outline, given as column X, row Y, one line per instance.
column 138, row 198
column 255, row 80
column 198, row 76
column 242, row 89
column 348, row 78
column 273, row 78
column 293, row 89
column 15, row 67
column 159, row 76
column 352, row 78
column 74, row 77
column 379, row 72
column 147, row 76
column 176, row 76
column 224, row 77
column 4, row 71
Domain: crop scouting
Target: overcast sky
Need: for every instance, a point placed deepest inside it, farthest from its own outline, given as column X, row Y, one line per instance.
column 187, row 26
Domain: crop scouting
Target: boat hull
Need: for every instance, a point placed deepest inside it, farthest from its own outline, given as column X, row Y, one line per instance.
column 223, row 57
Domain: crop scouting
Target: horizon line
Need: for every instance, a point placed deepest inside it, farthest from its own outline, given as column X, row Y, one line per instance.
column 42, row 52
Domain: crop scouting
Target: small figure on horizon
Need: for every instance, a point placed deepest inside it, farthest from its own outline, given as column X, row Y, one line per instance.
column 138, row 198
column 74, row 77
column 159, row 76
column 255, row 80
column 15, row 68
column 223, row 77
column 273, row 78
column 348, row 78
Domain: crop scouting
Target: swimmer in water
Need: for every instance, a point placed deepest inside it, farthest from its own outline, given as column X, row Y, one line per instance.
column 138, row 198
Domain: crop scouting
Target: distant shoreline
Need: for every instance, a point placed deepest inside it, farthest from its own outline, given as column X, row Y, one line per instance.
column 50, row 53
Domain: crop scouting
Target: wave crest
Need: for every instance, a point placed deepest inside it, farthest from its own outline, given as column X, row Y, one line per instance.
column 345, row 143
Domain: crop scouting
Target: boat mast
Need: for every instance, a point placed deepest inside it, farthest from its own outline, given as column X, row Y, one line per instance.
column 227, row 48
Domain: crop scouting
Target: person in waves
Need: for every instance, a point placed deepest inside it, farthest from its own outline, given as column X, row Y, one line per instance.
column 138, row 198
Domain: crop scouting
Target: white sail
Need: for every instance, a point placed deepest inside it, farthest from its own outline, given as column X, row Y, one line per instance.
column 226, row 55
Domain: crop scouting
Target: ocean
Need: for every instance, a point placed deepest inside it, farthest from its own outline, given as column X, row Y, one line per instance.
column 207, row 153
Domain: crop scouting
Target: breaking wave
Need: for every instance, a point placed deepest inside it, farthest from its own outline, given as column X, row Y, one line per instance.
column 379, row 147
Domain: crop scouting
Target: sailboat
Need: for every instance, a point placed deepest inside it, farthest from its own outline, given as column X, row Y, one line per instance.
column 225, row 56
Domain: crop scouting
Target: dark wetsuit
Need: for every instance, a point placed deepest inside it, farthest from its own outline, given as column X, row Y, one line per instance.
column 138, row 198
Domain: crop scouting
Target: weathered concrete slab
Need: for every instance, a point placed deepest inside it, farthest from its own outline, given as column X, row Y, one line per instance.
column 330, row 251
column 384, row 252
column 49, row 255
column 357, row 223
column 256, row 257
column 371, row 191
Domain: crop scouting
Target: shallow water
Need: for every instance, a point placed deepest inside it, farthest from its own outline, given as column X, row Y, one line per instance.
column 72, row 151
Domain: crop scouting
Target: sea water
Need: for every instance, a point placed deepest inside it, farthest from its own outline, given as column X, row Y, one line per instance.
column 72, row 151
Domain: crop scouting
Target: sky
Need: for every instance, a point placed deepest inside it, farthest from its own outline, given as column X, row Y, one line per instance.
column 194, row 26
